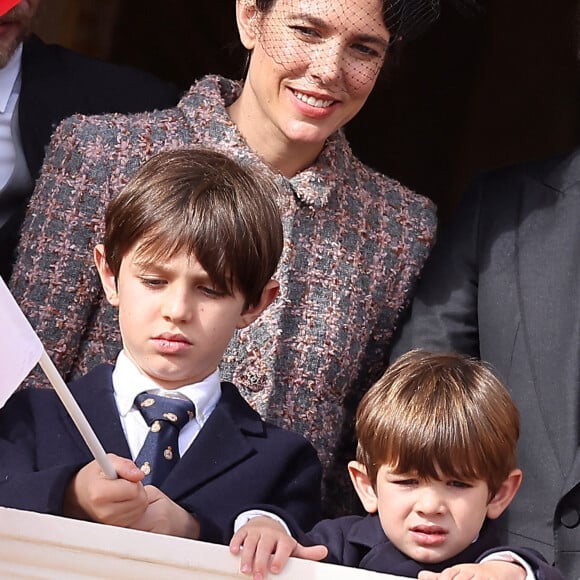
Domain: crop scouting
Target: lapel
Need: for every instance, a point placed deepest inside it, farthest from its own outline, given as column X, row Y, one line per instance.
column 548, row 279
column 221, row 444
column 383, row 556
column 94, row 394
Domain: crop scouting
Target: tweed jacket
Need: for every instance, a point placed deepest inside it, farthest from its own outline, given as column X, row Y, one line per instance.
column 360, row 542
column 355, row 242
column 236, row 461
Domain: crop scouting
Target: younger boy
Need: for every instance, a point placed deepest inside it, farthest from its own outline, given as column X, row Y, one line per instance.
column 190, row 247
column 436, row 465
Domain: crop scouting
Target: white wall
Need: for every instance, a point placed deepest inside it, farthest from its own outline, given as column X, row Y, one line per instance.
column 49, row 547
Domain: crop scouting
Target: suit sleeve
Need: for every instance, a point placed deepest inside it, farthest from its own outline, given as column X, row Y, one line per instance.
column 541, row 569
column 296, row 496
column 23, row 483
column 298, row 490
column 333, row 534
column 443, row 314
column 295, row 491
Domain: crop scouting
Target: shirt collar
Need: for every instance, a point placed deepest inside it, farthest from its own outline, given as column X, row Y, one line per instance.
column 313, row 186
column 129, row 381
column 8, row 77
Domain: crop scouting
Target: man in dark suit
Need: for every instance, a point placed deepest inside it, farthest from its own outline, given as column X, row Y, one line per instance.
column 503, row 284
column 43, row 84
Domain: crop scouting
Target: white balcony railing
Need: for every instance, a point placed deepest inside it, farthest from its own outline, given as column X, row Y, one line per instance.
column 49, row 547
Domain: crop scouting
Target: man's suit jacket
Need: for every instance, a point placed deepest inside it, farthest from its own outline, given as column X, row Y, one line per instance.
column 503, row 284
column 236, row 462
column 360, row 542
column 57, row 83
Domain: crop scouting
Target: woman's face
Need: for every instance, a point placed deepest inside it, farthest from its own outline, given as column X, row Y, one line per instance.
column 313, row 64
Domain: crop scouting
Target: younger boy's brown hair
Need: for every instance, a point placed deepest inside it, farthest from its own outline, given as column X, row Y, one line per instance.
column 204, row 203
column 433, row 414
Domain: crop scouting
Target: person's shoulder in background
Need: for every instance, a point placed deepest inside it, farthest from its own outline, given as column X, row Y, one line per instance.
column 58, row 82
column 103, row 83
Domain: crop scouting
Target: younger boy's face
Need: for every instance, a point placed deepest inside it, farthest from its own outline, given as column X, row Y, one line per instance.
column 175, row 324
column 429, row 520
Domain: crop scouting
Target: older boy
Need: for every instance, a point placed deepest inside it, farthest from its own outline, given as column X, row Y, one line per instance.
column 436, row 464
column 189, row 250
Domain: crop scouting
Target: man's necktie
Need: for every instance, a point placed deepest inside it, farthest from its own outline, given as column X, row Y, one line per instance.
column 165, row 417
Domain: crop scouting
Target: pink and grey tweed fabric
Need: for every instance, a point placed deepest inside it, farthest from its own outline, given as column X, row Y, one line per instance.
column 355, row 244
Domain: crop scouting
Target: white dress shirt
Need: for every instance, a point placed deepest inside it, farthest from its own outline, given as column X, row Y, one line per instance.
column 129, row 381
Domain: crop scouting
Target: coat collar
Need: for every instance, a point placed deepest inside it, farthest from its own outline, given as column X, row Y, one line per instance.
column 383, row 556
column 561, row 174
column 94, row 394
column 205, row 106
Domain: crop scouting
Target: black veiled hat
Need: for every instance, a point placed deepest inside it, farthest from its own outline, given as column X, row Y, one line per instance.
column 407, row 19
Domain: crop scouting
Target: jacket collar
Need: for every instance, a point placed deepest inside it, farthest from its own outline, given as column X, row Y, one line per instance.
column 205, row 106
column 561, row 173
column 383, row 556
column 94, row 394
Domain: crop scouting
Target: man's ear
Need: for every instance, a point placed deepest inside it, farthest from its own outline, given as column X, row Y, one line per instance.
column 363, row 486
column 268, row 296
column 505, row 494
column 108, row 280
column 247, row 16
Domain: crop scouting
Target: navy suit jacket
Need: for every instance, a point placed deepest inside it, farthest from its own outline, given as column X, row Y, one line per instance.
column 57, row 83
column 503, row 284
column 237, row 460
column 360, row 542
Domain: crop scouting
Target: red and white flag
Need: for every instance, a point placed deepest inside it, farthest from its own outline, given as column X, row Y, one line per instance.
column 20, row 347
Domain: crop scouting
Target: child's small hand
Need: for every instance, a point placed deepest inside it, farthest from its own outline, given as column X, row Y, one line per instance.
column 490, row 570
column 263, row 537
column 164, row 516
column 118, row 502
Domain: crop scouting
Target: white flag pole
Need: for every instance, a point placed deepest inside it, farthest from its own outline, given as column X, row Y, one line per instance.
column 77, row 415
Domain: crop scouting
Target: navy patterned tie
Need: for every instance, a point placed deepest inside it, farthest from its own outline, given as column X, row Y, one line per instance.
column 165, row 417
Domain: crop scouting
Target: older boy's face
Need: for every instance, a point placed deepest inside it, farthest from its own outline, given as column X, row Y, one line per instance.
column 174, row 322
column 430, row 521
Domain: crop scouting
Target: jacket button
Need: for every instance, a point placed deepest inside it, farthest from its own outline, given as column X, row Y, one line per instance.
column 569, row 517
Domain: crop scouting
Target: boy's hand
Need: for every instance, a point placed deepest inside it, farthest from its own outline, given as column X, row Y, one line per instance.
column 164, row 516
column 118, row 502
column 490, row 570
column 263, row 537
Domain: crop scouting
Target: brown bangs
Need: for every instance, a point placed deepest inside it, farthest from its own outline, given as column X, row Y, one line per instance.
column 195, row 232
column 439, row 414
column 204, row 204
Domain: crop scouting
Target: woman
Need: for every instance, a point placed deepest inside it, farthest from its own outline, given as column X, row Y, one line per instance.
column 355, row 239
